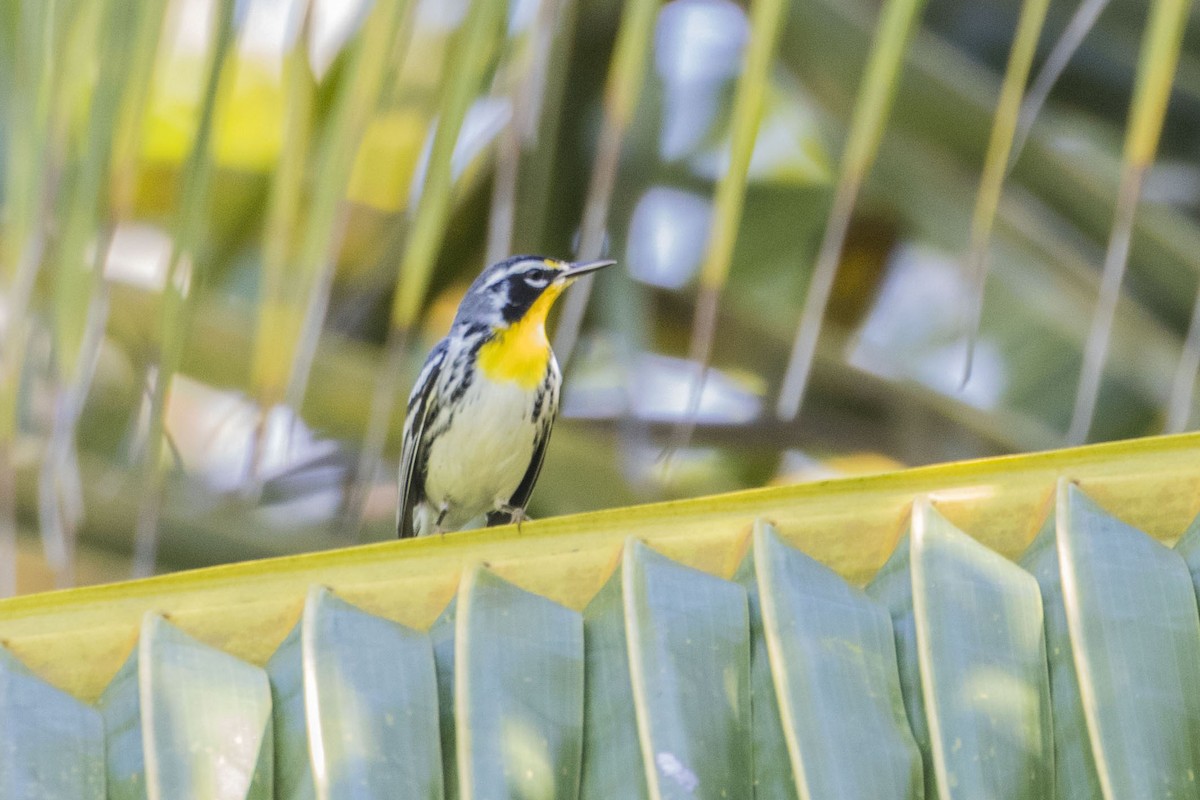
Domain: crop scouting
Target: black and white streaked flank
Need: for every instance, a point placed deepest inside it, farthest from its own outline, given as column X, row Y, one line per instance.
column 481, row 411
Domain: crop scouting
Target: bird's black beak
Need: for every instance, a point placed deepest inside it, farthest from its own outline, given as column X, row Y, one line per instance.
column 579, row 268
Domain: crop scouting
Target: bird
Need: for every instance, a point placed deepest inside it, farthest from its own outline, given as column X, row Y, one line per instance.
column 480, row 413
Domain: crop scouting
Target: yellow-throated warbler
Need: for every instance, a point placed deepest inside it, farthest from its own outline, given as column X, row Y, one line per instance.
column 480, row 414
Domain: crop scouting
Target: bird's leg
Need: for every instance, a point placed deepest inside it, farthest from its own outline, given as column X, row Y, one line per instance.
column 437, row 524
column 515, row 514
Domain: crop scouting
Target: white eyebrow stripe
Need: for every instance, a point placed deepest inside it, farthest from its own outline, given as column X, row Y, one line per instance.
column 515, row 269
column 520, row 268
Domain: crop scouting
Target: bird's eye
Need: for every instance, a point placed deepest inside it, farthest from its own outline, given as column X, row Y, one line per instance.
column 537, row 277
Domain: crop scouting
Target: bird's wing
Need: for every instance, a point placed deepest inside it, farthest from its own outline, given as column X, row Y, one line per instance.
column 421, row 405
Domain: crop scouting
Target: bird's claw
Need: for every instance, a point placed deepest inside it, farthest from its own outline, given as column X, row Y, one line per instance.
column 516, row 515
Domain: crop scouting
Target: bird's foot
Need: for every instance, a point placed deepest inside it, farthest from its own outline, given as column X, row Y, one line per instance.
column 516, row 515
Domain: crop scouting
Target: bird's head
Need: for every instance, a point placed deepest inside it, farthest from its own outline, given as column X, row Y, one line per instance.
column 519, row 289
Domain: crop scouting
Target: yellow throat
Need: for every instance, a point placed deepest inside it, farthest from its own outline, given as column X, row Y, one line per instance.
column 520, row 352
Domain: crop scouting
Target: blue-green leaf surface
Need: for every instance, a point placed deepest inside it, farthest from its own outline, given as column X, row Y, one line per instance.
column 293, row 765
column 982, row 658
column 689, row 659
column 51, row 745
column 969, row 636
column 120, row 707
column 833, row 663
column 892, row 587
column 442, row 636
column 1074, row 767
column 1188, row 546
column 371, row 702
column 518, row 702
column 1131, row 612
column 367, row 702
column 773, row 774
column 612, row 755
column 185, row 720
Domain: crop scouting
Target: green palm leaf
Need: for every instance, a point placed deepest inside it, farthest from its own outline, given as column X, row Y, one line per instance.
column 832, row 664
column 354, row 697
column 185, row 720
column 688, row 638
column 648, row 693
column 51, row 744
column 1131, row 614
column 1075, row 775
column 518, row 683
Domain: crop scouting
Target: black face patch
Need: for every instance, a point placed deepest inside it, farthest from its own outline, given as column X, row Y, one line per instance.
column 504, row 292
column 520, row 297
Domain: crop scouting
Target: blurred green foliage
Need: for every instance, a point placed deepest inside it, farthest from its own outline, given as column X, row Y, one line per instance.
column 276, row 187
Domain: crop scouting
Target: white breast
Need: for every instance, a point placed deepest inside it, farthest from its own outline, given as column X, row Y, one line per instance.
column 477, row 464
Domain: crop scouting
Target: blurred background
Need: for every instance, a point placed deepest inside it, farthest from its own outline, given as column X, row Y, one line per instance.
column 233, row 228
